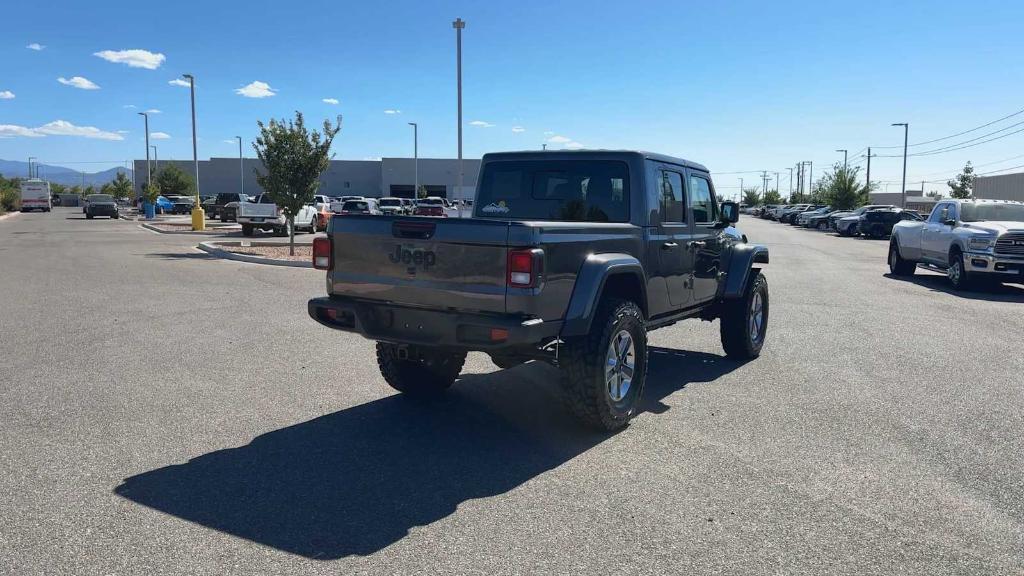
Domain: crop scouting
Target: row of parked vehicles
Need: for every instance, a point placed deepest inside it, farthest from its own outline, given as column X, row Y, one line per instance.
column 871, row 221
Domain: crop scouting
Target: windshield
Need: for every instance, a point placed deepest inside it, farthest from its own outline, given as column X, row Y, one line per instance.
column 390, row 202
column 101, row 198
column 569, row 190
column 970, row 212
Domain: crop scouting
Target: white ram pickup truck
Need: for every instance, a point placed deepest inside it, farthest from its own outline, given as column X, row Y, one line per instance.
column 969, row 240
column 263, row 214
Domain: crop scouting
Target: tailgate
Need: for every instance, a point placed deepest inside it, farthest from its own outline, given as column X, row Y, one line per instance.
column 248, row 209
column 437, row 263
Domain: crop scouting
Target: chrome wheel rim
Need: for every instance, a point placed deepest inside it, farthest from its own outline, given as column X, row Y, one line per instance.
column 756, row 317
column 954, row 272
column 619, row 366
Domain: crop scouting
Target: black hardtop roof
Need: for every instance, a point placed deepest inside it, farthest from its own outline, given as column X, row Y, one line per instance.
column 561, row 154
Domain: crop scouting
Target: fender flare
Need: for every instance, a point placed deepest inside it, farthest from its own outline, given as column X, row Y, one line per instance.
column 742, row 258
column 590, row 282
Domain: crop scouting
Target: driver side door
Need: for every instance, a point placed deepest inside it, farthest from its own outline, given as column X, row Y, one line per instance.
column 705, row 244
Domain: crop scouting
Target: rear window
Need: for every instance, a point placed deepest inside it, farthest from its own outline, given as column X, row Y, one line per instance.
column 568, row 190
column 355, row 206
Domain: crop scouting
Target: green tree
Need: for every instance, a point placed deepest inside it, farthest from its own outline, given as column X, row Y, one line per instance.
column 772, row 197
column 172, row 181
column 76, row 190
column 752, row 197
column 935, row 194
column 120, row 186
column 83, row 192
column 840, row 189
column 963, row 186
column 58, row 188
column 294, row 158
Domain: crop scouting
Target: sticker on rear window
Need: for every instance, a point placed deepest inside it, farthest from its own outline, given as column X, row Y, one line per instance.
column 495, row 208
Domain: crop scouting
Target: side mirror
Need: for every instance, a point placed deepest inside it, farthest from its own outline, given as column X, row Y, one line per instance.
column 950, row 222
column 729, row 212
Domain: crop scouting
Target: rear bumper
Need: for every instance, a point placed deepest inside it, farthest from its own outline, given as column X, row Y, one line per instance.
column 405, row 325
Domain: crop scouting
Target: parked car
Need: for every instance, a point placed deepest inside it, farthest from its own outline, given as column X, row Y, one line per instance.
column 100, row 205
column 879, row 223
column 767, row 210
column 361, row 206
column 801, row 218
column 969, row 240
column 182, row 204
column 163, row 205
column 788, row 214
column 262, row 214
column 225, row 206
column 516, row 282
column 845, row 223
column 434, row 206
column 821, row 220
column 395, row 206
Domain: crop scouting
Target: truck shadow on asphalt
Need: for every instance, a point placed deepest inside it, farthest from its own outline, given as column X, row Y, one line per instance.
column 356, row 481
column 990, row 292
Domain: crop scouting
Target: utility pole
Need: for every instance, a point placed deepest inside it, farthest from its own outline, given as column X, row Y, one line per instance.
column 790, row 181
column 778, row 186
column 30, row 160
column 844, row 151
column 156, row 159
column 906, row 131
column 198, row 215
column 459, row 24
column 241, row 168
column 149, row 172
column 869, row 170
column 810, row 177
column 416, row 161
column 741, row 187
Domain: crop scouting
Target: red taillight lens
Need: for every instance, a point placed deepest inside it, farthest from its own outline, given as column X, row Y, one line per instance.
column 522, row 268
column 322, row 253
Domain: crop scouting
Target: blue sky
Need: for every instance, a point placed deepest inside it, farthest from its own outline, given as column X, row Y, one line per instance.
column 734, row 85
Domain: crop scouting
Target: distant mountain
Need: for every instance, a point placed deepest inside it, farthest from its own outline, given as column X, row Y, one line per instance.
column 60, row 174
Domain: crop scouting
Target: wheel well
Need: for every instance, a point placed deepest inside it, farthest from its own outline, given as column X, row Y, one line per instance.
column 626, row 286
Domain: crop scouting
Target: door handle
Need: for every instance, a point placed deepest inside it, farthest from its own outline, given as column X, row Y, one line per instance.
column 668, row 245
column 696, row 244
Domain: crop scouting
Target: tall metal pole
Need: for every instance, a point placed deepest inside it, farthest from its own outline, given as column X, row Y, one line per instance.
column 416, row 160
column 906, row 131
column 790, row 181
column 869, row 170
column 844, row 158
column 778, row 186
column 198, row 218
column 241, row 168
column 30, row 159
column 810, row 178
column 156, row 159
column 459, row 24
column 149, row 172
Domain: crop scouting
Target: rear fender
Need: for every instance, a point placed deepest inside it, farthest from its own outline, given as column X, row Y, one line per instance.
column 594, row 275
column 742, row 258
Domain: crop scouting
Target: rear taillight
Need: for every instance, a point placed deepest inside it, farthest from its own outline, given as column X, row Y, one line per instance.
column 524, row 267
column 322, row 253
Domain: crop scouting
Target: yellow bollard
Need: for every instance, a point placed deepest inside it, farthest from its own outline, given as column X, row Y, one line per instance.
column 198, row 219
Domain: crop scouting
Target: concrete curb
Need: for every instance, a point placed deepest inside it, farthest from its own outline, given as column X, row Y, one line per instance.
column 212, row 248
column 209, row 230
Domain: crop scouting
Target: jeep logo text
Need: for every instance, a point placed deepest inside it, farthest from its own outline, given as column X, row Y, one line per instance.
column 412, row 257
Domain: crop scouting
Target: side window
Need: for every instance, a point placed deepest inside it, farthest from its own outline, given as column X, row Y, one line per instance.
column 701, row 202
column 939, row 213
column 671, row 187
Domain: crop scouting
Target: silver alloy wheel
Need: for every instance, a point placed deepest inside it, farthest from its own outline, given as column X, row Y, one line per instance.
column 619, row 365
column 756, row 318
column 954, row 272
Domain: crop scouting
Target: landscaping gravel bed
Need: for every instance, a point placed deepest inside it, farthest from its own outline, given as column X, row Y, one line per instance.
column 275, row 252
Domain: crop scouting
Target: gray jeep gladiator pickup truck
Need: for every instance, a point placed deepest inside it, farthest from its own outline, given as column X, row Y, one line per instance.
column 571, row 257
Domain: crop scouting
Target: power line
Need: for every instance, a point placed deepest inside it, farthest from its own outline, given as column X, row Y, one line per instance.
column 961, row 145
column 1018, row 112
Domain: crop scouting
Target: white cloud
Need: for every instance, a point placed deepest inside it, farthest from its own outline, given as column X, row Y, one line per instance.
column 35, row 46
column 518, row 129
column 549, row 133
column 256, row 89
column 179, row 82
column 391, row 111
column 559, row 140
column 153, row 111
column 128, row 106
column 134, row 58
column 159, row 135
column 574, row 145
column 481, row 124
column 10, row 130
column 332, row 101
column 123, row 132
column 78, row 82
column 230, row 141
column 6, row 95
column 65, row 128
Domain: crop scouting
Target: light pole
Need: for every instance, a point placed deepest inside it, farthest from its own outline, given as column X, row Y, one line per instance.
column 906, row 131
column 868, row 177
column 459, row 24
column 198, row 215
column 416, row 160
column 778, row 186
column 156, row 158
column 844, row 158
column 149, row 173
column 241, row 169
column 30, row 160
column 790, row 181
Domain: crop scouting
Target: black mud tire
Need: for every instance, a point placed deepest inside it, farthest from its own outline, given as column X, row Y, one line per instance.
column 246, row 229
column 897, row 265
column 426, row 377
column 88, row 216
column 736, row 318
column 506, row 362
column 582, row 363
column 823, row 226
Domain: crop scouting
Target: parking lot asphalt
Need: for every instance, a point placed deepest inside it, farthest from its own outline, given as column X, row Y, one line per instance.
column 166, row 412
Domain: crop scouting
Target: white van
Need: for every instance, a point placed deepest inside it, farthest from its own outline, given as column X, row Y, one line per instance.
column 35, row 195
